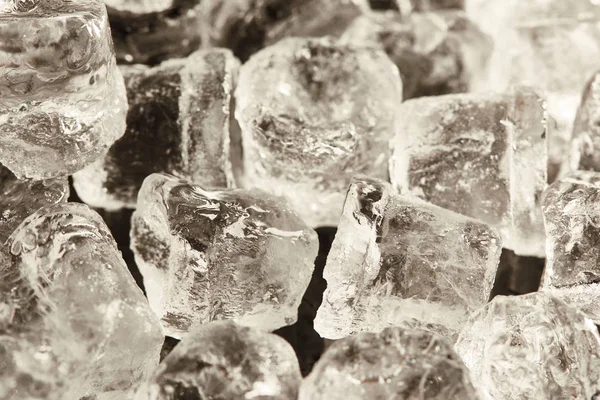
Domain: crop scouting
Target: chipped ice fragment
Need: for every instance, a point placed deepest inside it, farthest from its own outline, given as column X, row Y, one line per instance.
column 586, row 130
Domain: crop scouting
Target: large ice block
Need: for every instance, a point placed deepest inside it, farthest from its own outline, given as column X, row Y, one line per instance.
column 178, row 122
column 396, row 363
column 220, row 254
column 63, row 98
column 246, row 26
column 531, row 347
column 585, row 142
column 436, row 52
column 313, row 113
column 481, row 155
column 223, row 360
column 72, row 320
column 151, row 31
column 398, row 261
column 553, row 45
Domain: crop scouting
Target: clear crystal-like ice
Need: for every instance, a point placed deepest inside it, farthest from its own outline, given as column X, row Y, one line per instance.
column 531, row 347
column 72, row 320
column 481, row 155
column 398, row 261
column 586, row 129
column 313, row 113
column 246, row 26
column 150, row 31
column 220, row 254
column 396, row 363
column 223, row 360
column 178, row 122
column 553, row 45
column 436, row 52
column 63, row 98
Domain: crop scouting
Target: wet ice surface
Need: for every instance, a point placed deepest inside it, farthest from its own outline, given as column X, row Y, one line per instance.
column 151, row 31
column 398, row 261
column 63, row 99
column 220, row 254
column 586, row 129
column 178, row 122
column 481, row 155
column 72, row 320
column 223, row 360
column 393, row 364
column 531, row 347
column 312, row 114
column 436, row 52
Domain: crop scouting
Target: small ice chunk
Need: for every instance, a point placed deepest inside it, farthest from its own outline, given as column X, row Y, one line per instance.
column 223, row 360
column 533, row 346
column 313, row 113
column 398, row 261
column 72, row 320
column 178, row 122
column 63, row 98
column 436, row 52
column 220, row 254
column 246, row 26
column 481, row 155
column 394, row 364
column 586, row 130
column 151, row 31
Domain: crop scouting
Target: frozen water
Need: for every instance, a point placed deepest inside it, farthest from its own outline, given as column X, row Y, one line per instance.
column 407, row 6
column 553, row 45
column 220, row 254
column 393, row 364
column 481, row 155
column 436, row 52
column 531, row 347
column 150, row 31
column 312, row 114
column 246, row 26
column 586, row 129
column 223, row 360
column 178, row 122
column 72, row 320
column 63, row 99
column 398, row 261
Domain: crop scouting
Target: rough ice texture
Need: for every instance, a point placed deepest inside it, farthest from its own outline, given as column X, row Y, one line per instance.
column 220, row 254
column 398, row 261
column 223, row 360
column 531, row 347
column 481, row 155
column 151, row 31
column 394, row 364
column 72, row 320
column 553, row 45
column 312, row 114
column 246, row 26
column 178, row 122
column 586, row 130
column 63, row 98
column 436, row 53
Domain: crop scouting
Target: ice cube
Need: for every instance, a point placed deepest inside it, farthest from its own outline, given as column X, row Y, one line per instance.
column 223, row 360
column 72, row 320
column 63, row 99
column 246, row 26
column 398, row 261
column 394, row 364
column 533, row 346
column 178, row 122
column 220, row 254
column 586, row 129
column 313, row 113
column 436, row 52
column 481, row 155
column 553, row 45
column 151, row 31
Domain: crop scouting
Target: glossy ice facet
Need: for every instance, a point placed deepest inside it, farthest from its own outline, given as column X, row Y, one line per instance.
column 313, row 113
column 586, row 130
column 398, row 261
column 220, row 254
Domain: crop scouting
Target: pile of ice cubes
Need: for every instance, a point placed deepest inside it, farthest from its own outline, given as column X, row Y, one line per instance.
column 299, row 199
